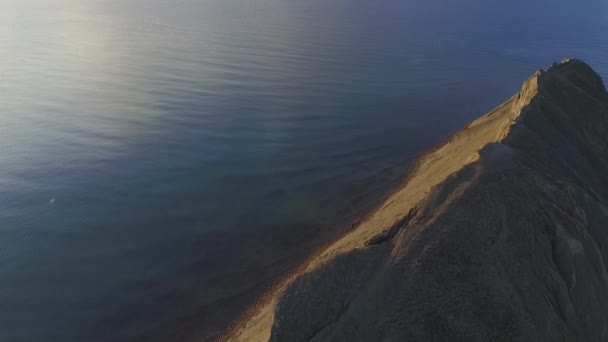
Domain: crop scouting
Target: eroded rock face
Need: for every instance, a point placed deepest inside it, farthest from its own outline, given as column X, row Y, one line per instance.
column 501, row 234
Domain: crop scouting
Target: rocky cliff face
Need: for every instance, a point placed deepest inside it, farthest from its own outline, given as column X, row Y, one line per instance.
column 500, row 234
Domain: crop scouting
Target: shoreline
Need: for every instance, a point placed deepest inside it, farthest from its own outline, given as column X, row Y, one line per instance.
column 268, row 296
column 444, row 184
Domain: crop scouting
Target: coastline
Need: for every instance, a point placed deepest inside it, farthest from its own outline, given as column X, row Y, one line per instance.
column 447, row 170
column 268, row 296
column 259, row 311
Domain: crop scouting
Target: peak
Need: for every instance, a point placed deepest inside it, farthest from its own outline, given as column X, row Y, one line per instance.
column 572, row 62
column 575, row 72
column 571, row 69
column 558, row 77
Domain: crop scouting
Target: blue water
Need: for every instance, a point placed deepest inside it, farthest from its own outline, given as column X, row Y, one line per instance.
column 163, row 161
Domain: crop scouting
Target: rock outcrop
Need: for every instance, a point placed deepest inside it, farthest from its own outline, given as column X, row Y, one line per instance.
column 499, row 234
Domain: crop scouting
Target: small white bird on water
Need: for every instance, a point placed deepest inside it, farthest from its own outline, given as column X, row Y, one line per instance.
column 52, row 201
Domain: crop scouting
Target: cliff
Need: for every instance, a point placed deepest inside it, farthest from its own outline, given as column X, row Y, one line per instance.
column 500, row 234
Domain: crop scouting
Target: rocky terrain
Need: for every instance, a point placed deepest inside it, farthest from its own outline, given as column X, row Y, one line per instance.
column 499, row 234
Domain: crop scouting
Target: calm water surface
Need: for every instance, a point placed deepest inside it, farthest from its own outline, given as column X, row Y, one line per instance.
column 163, row 161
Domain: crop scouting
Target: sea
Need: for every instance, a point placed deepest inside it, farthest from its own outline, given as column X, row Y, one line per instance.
column 163, row 163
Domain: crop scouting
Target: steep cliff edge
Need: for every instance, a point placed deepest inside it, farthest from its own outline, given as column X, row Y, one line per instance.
column 500, row 234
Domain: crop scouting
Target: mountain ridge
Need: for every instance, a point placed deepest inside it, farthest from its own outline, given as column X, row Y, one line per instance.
column 497, row 234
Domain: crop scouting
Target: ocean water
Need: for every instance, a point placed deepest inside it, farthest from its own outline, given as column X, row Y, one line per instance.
column 162, row 162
